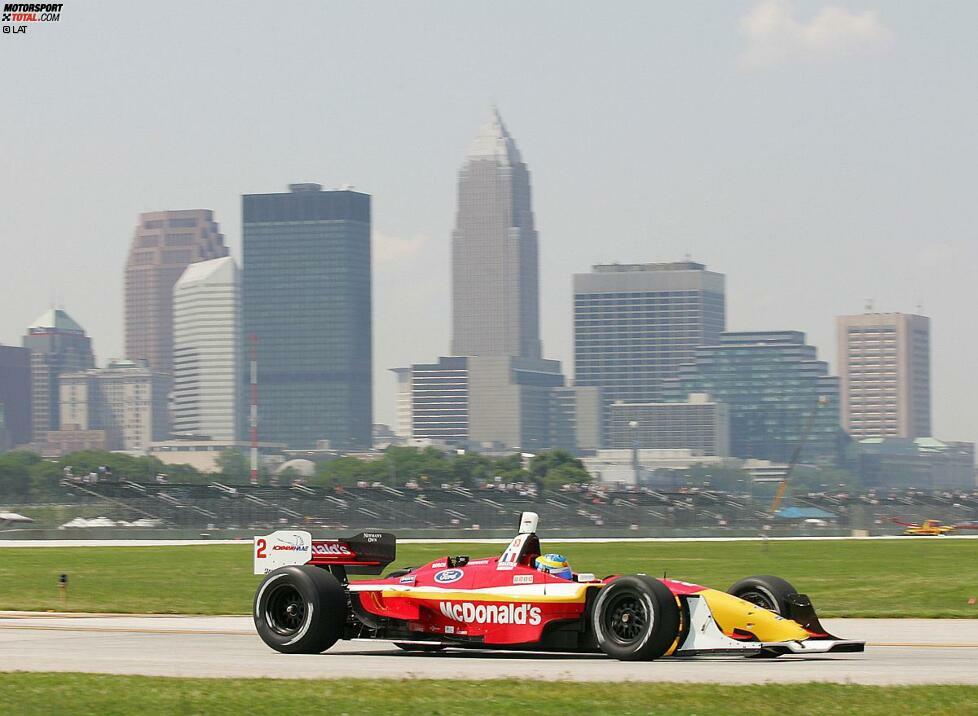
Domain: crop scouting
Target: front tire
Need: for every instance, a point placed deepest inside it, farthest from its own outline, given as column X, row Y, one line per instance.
column 300, row 610
column 765, row 591
column 635, row 618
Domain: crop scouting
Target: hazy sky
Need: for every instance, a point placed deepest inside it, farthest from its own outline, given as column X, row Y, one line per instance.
column 819, row 154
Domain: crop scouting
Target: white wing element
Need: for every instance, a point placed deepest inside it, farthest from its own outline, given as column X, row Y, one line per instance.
column 281, row 549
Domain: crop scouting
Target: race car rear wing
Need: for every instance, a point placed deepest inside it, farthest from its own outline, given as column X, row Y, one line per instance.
column 365, row 553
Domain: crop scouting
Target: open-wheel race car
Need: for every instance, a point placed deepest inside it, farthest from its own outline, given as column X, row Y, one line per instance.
column 306, row 603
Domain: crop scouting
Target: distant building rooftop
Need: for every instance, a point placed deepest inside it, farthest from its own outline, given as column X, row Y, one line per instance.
column 57, row 319
column 671, row 266
column 495, row 142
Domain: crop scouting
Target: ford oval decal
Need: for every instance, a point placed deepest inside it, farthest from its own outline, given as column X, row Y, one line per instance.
column 447, row 576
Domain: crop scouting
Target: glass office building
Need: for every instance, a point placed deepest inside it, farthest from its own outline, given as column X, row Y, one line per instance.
column 15, row 396
column 634, row 324
column 57, row 345
column 775, row 387
column 306, row 302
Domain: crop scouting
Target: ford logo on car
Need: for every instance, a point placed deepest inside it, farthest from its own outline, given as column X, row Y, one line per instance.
column 447, row 576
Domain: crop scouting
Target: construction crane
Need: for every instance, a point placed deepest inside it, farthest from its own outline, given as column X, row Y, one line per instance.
column 809, row 422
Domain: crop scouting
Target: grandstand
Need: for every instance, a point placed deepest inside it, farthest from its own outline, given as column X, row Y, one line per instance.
column 593, row 509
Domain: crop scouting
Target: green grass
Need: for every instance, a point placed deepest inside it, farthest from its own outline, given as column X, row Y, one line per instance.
column 875, row 578
column 77, row 694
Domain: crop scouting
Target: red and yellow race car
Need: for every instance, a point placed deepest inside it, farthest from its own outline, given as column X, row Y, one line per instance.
column 306, row 603
column 932, row 528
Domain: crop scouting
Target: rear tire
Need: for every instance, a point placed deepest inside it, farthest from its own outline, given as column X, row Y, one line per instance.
column 765, row 591
column 635, row 618
column 300, row 610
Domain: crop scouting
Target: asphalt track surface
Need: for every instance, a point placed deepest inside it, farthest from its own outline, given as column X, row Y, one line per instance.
column 899, row 651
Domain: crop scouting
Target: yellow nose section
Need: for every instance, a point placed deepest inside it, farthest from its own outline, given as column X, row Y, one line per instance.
column 732, row 613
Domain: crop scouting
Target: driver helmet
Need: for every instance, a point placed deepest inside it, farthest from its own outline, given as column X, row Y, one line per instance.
column 555, row 564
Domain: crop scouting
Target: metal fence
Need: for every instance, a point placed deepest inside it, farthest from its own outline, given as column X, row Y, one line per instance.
column 448, row 509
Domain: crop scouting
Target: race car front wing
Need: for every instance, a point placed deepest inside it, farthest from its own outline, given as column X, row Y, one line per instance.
column 705, row 637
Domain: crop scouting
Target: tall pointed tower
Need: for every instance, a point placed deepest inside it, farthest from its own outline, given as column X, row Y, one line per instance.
column 495, row 273
column 496, row 391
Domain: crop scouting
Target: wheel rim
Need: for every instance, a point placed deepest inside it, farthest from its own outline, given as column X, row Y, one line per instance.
column 627, row 618
column 285, row 610
column 760, row 598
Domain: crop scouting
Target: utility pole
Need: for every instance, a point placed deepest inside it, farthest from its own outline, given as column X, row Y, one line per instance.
column 636, row 468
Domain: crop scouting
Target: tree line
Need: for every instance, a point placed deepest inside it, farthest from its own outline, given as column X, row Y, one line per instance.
column 25, row 475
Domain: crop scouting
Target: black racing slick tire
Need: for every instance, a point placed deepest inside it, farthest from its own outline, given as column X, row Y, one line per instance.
column 300, row 610
column 635, row 618
column 765, row 591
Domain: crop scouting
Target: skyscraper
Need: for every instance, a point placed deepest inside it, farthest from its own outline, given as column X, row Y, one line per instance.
column 306, row 301
column 495, row 278
column 58, row 345
column 635, row 324
column 15, row 396
column 164, row 244
column 884, row 372
column 206, row 349
column 779, row 393
column 495, row 390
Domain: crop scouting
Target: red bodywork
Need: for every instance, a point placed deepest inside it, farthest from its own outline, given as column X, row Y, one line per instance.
column 509, row 605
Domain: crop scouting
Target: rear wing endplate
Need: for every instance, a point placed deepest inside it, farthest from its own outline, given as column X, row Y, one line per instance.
column 365, row 553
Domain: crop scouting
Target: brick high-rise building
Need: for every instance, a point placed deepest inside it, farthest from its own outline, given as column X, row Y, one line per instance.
column 884, row 375
column 164, row 244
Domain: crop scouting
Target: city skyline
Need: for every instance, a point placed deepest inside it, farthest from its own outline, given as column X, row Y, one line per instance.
column 822, row 181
